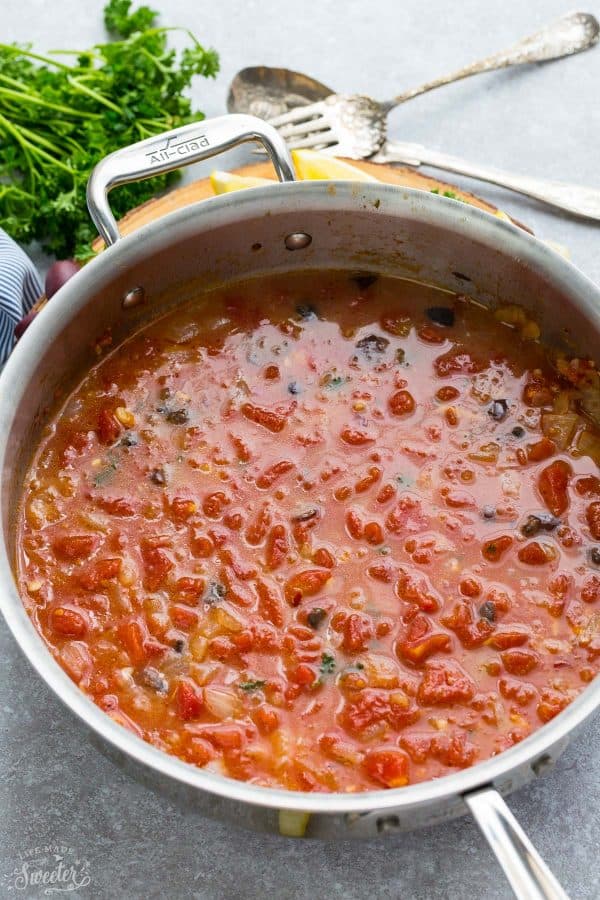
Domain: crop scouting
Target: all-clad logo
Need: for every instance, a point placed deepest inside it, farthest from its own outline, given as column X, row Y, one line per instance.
column 174, row 148
column 54, row 869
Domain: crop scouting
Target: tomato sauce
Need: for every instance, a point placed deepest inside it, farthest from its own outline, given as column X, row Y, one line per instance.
column 324, row 531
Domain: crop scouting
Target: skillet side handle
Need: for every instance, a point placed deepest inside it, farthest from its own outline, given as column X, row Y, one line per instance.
column 528, row 875
column 174, row 149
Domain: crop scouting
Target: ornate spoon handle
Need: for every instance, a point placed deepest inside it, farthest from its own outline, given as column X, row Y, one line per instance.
column 570, row 34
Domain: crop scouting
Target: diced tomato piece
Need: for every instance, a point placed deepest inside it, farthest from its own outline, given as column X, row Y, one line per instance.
column 199, row 752
column 242, row 451
column 417, row 651
column 116, row 506
column 157, row 565
column 222, row 648
column 432, row 334
column 395, row 324
column 358, row 631
column 519, row 691
column 201, row 545
column 190, row 590
column 108, row 428
column 417, row 745
column 99, row 574
column 415, row 588
column 355, row 436
column 257, row 531
column 381, row 572
column 454, row 750
column 354, row 525
column 470, row 587
column 542, row 449
column 304, row 675
column 588, row 486
column 273, row 472
column 406, row 516
column 277, row 546
column 373, row 533
column 537, row 392
column 458, row 499
column 133, row 637
column 551, row 704
column 553, row 486
column 590, row 591
column 445, row 683
column 267, row 418
column 189, row 700
column 592, row 515
column 322, row 557
column 241, row 569
column 471, row 631
column 183, row 617
column 68, row 622
column 269, row 603
column 226, row 737
column 388, row 766
column 266, row 718
column 305, row 584
column 243, row 641
column 182, row 508
column 214, row 504
column 368, row 480
column 402, row 403
column 536, row 554
column 509, row 636
column 520, row 662
column 447, row 393
column 456, row 362
column 373, row 707
column 387, row 493
column 75, row 546
column 495, row 549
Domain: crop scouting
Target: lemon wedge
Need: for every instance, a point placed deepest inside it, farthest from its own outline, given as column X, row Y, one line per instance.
column 314, row 166
column 225, row 182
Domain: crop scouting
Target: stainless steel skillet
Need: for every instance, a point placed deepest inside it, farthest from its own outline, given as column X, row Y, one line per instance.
column 286, row 227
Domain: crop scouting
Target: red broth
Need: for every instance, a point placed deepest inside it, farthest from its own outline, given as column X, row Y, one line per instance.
column 321, row 531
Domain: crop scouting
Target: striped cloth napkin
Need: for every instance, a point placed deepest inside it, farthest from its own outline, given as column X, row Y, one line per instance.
column 20, row 287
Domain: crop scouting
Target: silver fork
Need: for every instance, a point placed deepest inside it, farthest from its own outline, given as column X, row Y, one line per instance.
column 354, row 126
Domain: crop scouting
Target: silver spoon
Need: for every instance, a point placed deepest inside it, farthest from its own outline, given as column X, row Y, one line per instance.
column 355, row 127
column 267, row 91
column 273, row 92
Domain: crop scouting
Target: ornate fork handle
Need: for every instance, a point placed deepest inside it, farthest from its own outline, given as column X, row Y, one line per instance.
column 570, row 34
column 576, row 199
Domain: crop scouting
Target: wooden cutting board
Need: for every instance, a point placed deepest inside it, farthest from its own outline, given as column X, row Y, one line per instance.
column 200, row 190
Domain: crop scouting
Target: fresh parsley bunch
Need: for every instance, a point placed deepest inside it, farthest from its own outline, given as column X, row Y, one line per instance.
column 59, row 117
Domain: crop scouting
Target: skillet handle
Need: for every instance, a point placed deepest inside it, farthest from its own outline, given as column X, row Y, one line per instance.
column 528, row 874
column 174, row 149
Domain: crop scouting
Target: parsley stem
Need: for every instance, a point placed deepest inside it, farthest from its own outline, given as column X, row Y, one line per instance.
column 21, row 51
column 28, row 97
column 78, row 85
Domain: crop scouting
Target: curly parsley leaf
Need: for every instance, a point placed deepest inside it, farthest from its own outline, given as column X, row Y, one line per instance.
column 119, row 19
column 61, row 114
column 249, row 686
column 327, row 664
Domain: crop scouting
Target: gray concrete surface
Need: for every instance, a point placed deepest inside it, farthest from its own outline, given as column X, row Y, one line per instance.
column 55, row 790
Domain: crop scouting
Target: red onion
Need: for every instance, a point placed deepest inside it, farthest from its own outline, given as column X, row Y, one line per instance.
column 24, row 323
column 59, row 273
